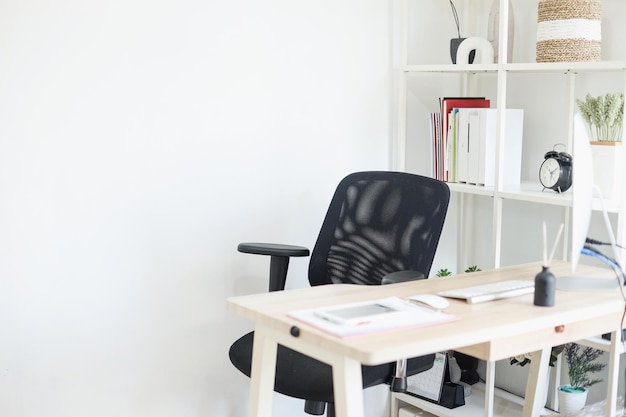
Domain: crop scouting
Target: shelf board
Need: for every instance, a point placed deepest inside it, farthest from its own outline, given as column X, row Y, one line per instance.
column 575, row 67
column 527, row 191
column 471, row 189
column 504, row 404
column 598, row 342
column 531, row 192
column 451, row 68
column 530, row 67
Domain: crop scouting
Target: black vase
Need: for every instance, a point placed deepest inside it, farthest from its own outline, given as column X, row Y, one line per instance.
column 545, row 286
column 454, row 46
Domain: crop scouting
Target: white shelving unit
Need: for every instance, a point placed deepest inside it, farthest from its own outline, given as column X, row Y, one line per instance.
column 500, row 82
column 602, row 344
column 501, row 74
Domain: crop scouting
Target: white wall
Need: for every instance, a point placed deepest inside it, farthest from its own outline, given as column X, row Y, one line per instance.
column 140, row 141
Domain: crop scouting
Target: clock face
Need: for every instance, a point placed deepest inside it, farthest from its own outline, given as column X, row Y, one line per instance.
column 549, row 172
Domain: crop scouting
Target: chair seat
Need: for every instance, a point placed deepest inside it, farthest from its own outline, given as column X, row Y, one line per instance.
column 301, row 376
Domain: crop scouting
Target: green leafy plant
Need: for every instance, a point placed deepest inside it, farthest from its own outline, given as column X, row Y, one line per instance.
column 604, row 115
column 443, row 272
column 581, row 362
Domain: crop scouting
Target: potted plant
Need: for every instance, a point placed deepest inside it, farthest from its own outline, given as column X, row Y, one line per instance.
column 604, row 116
column 581, row 363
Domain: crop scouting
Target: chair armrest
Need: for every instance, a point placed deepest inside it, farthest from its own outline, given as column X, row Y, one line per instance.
column 272, row 249
column 402, row 276
column 279, row 259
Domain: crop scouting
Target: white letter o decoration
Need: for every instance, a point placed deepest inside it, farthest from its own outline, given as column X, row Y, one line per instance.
column 484, row 51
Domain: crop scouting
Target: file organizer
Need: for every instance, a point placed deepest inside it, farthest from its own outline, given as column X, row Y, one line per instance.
column 435, row 386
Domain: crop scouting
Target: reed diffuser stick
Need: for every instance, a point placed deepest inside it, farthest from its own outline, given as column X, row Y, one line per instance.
column 456, row 18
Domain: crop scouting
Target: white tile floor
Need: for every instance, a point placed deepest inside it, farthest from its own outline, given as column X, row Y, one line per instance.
column 597, row 409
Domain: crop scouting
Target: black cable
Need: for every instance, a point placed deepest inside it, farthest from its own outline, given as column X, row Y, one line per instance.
column 592, row 241
column 588, row 250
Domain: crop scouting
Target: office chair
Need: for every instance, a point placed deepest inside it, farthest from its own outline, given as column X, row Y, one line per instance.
column 380, row 228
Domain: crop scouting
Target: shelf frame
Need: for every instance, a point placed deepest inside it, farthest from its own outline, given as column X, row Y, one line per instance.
column 528, row 192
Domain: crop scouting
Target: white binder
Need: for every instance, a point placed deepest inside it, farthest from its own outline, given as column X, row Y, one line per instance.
column 479, row 146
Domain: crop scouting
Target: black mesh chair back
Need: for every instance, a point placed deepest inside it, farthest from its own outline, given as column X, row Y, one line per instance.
column 379, row 223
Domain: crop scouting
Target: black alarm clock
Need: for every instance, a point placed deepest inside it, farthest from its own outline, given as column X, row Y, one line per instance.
column 555, row 172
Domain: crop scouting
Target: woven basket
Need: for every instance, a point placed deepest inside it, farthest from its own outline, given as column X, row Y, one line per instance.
column 569, row 30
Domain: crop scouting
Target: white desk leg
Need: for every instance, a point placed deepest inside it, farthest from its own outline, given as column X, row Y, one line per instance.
column 490, row 380
column 348, row 387
column 394, row 405
column 611, row 391
column 262, row 375
column 536, row 385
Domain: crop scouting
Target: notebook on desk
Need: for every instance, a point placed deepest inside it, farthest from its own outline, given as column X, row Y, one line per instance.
column 403, row 315
column 493, row 291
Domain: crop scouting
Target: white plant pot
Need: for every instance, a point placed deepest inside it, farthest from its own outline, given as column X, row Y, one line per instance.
column 607, row 168
column 571, row 402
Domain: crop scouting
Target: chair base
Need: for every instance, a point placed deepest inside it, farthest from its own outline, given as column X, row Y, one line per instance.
column 315, row 408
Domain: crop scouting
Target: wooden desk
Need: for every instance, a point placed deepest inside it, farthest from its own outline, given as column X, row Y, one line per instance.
column 490, row 331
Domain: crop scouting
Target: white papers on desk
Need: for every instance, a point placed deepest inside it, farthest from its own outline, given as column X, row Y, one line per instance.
column 412, row 316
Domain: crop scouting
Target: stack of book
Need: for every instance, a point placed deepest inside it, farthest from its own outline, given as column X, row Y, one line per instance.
column 463, row 136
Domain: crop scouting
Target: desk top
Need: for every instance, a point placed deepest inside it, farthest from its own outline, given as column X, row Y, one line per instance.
column 492, row 331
